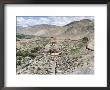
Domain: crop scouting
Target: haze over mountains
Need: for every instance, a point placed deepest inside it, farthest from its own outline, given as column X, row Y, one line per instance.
column 74, row 29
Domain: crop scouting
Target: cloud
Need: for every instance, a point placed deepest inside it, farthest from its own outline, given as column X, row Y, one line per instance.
column 21, row 21
column 25, row 21
column 53, row 20
column 63, row 20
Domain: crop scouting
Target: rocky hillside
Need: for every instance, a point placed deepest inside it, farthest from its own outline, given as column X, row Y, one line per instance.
column 84, row 26
column 46, row 56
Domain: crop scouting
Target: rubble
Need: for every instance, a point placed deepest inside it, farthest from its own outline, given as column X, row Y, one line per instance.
column 54, row 58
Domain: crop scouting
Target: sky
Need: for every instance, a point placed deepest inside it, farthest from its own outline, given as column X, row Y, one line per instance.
column 26, row 21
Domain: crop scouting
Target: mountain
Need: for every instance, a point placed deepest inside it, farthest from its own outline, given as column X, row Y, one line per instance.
column 37, row 29
column 84, row 24
column 76, row 29
column 43, row 26
column 81, row 26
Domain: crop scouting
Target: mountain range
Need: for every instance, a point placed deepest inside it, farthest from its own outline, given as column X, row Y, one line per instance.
column 74, row 30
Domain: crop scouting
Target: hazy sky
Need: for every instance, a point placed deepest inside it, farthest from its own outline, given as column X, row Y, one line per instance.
column 26, row 21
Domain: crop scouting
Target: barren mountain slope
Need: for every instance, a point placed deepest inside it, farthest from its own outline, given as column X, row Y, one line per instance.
column 74, row 29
